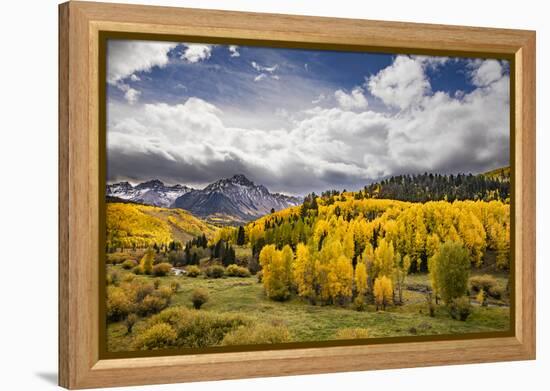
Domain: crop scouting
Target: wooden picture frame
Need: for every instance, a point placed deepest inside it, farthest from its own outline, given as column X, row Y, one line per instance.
column 80, row 26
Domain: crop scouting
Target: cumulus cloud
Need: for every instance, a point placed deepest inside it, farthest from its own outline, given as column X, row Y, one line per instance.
column 128, row 56
column 485, row 72
column 134, row 77
column 356, row 100
column 234, row 51
column 401, row 84
column 194, row 53
column 319, row 99
column 321, row 148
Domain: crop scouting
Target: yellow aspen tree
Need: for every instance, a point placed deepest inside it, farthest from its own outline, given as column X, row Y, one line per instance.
column 304, row 271
column 146, row 262
column 349, row 244
column 361, row 278
column 384, row 259
column 274, row 278
column 383, row 291
column 287, row 258
column 340, row 279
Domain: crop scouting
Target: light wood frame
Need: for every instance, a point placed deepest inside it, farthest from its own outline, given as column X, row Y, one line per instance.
column 79, row 25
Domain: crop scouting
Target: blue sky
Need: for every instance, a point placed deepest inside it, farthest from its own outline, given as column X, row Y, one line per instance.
column 299, row 120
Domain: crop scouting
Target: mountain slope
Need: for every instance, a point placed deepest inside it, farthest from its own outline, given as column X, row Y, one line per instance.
column 132, row 225
column 234, row 200
column 152, row 192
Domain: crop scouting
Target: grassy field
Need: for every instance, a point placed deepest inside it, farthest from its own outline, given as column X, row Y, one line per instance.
column 307, row 322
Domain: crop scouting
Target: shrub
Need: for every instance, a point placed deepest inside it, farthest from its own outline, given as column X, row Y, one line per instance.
column 259, row 276
column 198, row 297
column 158, row 336
column 117, row 258
column 359, row 303
column 383, row 292
column 496, row 292
column 137, row 270
column 198, row 328
column 118, row 303
column 485, row 282
column 352, row 333
column 129, row 264
column 128, row 277
column 156, row 283
column 482, row 298
column 193, row 271
column 257, row 334
column 215, row 271
column 460, row 308
column 162, row 269
column 175, row 286
column 129, row 322
column 449, row 271
column 165, row 292
column 141, row 290
column 237, row 271
column 113, row 277
column 152, row 304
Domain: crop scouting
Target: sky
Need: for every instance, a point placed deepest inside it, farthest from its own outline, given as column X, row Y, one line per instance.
column 297, row 120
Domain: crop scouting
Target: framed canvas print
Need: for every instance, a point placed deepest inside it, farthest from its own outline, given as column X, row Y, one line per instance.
column 248, row 195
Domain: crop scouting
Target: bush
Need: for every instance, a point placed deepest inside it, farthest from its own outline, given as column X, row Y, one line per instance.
column 352, row 333
column 257, row 334
column 359, row 303
column 482, row 298
column 162, row 269
column 460, row 308
column 193, row 271
column 117, row 258
column 175, row 286
column 496, row 292
column 158, row 336
column 118, row 303
column 485, row 282
column 113, row 277
column 137, row 270
column 237, row 271
column 129, row 264
column 146, row 262
column 165, row 292
column 156, row 283
column 129, row 322
column 215, row 271
column 152, row 304
column 198, row 329
column 199, row 297
column 128, row 277
column 259, row 276
column 141, row 290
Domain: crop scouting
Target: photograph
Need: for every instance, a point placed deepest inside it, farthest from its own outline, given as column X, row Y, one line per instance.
column 261, row 196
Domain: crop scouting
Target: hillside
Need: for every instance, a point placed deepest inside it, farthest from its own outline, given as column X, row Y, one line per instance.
column 132, row 225
column 494, row 185
column 500, row 174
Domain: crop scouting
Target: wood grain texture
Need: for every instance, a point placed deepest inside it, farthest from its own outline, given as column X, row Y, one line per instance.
column 80, row 24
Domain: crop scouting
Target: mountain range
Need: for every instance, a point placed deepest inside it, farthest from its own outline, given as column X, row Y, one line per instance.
column 152, row 192
column 227, row 201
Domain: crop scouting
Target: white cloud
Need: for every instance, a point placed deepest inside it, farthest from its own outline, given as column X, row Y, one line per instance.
column 234, row 51
column 260, row 68
column 401, row 84
column 354, row 101
column 260, row 77
column 486, row 72
column 194, row 53
column 132, row 95
column 128, row 56
column 319, row 99
column 134, row 77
